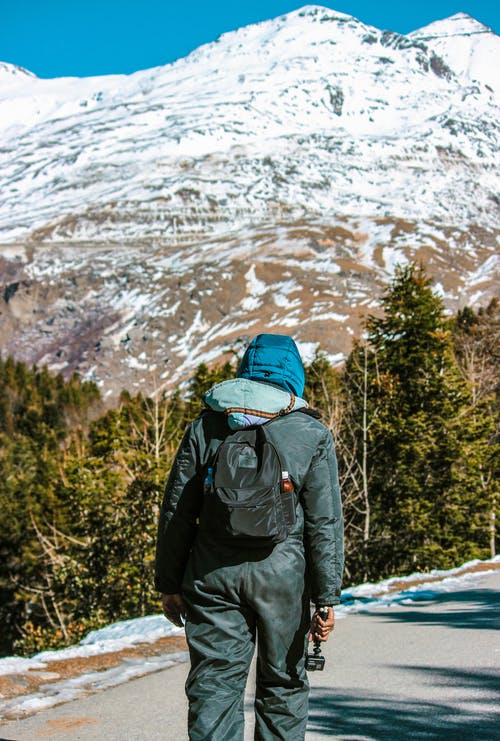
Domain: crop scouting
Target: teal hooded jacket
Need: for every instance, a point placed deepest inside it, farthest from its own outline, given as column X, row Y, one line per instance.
column 267, row 390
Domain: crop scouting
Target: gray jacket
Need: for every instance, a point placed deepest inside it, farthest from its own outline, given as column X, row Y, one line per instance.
column 306, row 449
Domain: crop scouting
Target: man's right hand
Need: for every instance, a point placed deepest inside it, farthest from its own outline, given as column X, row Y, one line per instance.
column 173, row 608
column 321, row 629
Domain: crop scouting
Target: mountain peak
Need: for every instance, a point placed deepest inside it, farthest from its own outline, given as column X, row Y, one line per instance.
column 14, row 72
column 469, row 48
column 460, row 24
column 319, row 10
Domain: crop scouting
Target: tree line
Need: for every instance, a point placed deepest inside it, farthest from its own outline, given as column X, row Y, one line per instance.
column 414, row 415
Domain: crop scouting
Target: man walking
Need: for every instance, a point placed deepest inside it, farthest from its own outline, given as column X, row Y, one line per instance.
column 234, row 593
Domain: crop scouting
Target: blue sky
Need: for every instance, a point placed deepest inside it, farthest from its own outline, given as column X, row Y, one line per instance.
column 54, row 38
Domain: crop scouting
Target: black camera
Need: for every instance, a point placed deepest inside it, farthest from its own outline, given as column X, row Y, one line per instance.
column 315, row 662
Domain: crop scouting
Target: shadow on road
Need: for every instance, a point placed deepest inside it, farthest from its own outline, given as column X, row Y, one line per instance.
column 482, row 612
column 377, row 716
column 484, row 680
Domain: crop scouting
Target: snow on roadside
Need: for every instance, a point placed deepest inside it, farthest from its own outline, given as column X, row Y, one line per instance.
column 417, row 587
column 55, row 693
column 114, row 637
column 126, row 633
column 108, row 640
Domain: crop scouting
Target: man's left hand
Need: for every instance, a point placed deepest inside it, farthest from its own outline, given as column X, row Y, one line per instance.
column 173, row 608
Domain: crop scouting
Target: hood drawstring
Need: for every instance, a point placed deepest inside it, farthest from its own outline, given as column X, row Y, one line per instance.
column 260, row 413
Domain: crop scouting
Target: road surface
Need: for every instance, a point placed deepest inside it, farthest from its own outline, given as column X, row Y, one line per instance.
column 422, row 671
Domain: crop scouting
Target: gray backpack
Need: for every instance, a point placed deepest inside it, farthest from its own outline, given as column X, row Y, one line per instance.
column 243, row 500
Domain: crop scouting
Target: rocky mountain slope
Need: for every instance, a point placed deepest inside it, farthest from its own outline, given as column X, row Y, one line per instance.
column 269, row 180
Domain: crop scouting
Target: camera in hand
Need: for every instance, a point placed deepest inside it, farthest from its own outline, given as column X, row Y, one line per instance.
column 315, row 662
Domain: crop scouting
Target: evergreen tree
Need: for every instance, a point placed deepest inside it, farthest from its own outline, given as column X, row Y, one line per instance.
column 203, row 379
column 415, row 400
column 476, row 339
column 34, row 423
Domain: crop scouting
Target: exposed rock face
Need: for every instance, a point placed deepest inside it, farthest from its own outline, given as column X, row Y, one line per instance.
column 269, row 181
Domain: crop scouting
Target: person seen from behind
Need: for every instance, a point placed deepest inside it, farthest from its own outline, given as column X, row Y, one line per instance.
column 241, row 563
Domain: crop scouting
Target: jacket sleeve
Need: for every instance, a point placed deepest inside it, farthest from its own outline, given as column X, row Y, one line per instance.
column 323, row 524
column 178, row 516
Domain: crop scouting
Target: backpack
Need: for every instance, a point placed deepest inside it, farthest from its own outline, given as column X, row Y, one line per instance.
column 243, row 501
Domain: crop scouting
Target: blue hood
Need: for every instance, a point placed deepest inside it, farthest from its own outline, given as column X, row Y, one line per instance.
column 274, row 358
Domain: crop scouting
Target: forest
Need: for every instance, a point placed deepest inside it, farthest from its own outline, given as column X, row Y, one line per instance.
column 413, row 412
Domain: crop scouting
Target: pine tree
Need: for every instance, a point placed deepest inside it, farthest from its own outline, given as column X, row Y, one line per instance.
column 415, row 399
column 203, row 379
column 33, row 428
column 476, row 339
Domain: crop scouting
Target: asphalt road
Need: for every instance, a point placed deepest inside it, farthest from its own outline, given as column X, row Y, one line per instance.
column 423, row 671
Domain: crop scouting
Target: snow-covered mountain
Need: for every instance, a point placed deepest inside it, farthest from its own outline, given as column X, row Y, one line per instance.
column 271, row 179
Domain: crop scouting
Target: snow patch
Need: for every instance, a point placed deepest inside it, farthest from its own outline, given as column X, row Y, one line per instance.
column 422, row 587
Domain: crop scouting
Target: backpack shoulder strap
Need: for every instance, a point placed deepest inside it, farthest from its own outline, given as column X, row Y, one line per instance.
column 310, row 412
